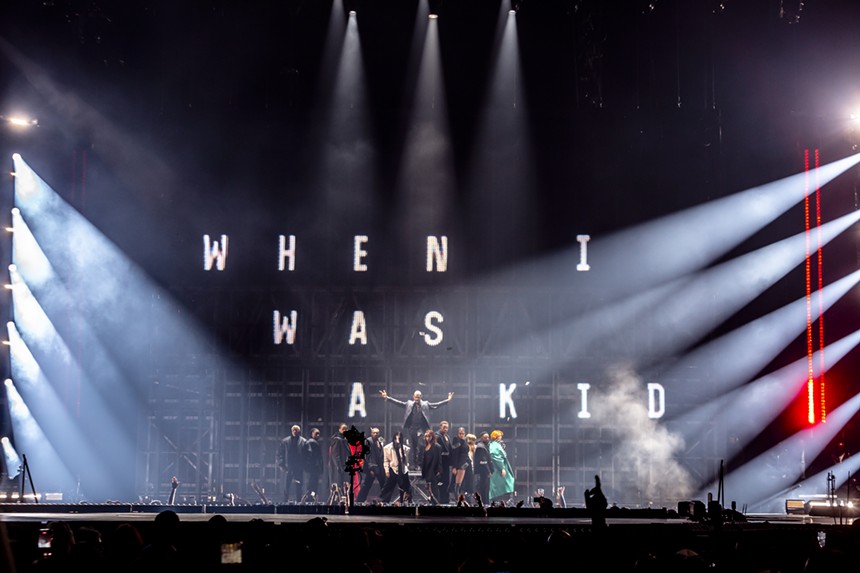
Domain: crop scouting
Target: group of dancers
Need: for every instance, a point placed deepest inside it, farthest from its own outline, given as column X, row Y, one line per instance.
column 463, row 468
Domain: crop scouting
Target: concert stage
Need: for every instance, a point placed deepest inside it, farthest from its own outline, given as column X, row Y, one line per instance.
column 508, row 538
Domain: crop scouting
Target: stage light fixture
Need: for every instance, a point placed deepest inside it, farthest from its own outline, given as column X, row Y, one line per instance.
column 433, row 16
column 18, row 121
column 796, row 506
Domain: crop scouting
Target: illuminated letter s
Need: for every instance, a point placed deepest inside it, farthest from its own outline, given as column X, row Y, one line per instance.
column 428, row 324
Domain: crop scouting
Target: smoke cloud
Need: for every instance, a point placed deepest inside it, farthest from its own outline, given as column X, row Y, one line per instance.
column 644, row 456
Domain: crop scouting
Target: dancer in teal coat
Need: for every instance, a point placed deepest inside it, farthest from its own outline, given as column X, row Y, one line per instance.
column 502, row 479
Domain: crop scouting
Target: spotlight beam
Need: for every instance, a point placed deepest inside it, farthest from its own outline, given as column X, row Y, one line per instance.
column 676, row 310
column 751, row 347
column 80, row 284
column 51, row 470
column 842, row 472
column 747, row 483
column 665, row 249
column 748, row 410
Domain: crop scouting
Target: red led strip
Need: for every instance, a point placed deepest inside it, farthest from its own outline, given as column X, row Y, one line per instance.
column 822, row 402
column 810, row 380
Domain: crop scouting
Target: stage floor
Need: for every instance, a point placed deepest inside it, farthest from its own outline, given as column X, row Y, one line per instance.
column 285, row 513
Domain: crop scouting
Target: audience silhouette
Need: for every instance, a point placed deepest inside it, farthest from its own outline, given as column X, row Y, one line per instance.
column 166, row 544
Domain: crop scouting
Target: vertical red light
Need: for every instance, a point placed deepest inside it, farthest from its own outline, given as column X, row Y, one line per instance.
column 822, row 405
column 820, row 413
column 810, row 376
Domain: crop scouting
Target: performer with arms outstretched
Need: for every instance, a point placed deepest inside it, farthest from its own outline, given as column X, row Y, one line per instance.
column 416, row 419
